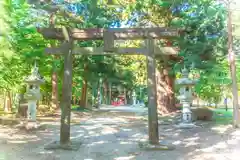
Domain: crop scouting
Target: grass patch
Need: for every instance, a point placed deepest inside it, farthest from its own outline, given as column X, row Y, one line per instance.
column 80, row 109
column 222, row 117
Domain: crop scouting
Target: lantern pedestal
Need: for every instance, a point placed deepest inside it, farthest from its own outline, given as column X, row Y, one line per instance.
column 31, row 125
column 186, row 125
column 186, row 116
column 32, row 109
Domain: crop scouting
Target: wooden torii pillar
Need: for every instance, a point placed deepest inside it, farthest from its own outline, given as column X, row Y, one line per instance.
column 108, row 36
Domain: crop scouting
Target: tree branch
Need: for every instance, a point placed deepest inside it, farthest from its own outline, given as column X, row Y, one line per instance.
column 52, row 7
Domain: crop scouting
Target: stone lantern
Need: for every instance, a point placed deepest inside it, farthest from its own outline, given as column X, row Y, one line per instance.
column 33, row 94
column 186, row 98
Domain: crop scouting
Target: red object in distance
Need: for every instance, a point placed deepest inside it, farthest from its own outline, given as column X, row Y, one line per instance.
column 168, row 43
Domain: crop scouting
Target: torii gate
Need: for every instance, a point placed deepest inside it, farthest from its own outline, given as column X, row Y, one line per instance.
column 108, row 36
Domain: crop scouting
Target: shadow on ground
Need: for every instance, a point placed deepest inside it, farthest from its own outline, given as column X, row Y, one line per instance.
column 115, row 136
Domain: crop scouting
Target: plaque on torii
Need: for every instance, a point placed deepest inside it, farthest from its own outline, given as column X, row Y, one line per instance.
column 108, row 36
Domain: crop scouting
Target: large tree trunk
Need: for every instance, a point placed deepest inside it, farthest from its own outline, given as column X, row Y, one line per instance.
column 105, row 90
column 22, row 107
column 8, row 102
column 110, row 93
column 84, row 89
column 55, row 103
column 4, row 100
column 125, row 96
column 99, row 102
column 74, row 100
column 165, row 90
column 84, row 94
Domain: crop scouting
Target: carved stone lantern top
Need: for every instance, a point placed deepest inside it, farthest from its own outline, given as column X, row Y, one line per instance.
column 35, row 77
column 185, row 80
column 34, row 80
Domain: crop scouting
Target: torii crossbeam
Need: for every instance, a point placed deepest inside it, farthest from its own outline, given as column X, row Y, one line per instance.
column 118, row 33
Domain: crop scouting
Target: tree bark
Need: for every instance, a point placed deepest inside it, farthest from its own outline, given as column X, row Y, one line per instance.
column 79, row 100
column 74, row 100
column 128, row 97
column 99, row 94
column 236, row 119
column 66, row 97
column 84, row 94
column 165, row 90
column 22, row 107
column 105, row 90
column 84, row 88
column 4, row 101
column 55, row 103
column 8, row 102
column 110, row 93
column 125, row 96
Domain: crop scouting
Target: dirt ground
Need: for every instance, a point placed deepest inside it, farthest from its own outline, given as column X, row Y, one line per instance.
column 115, row 136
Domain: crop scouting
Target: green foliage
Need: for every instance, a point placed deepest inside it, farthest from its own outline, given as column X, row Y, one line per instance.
column 203, row 42
column 214, row 83
column 24, row 45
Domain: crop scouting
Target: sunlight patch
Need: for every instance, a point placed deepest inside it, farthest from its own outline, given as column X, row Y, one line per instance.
column 46, row 152
column 177, row 142
column 17, row 141
column 208, row 149
column 236, row 133
column 221, row 145
column 192, row 139
column 138, row 135
column 99, row 142
column 109, row 130
column 124, row 158
column 191, row 144
column 232, row 141
column 77, row 136
column 125, row 142
column 221, row 129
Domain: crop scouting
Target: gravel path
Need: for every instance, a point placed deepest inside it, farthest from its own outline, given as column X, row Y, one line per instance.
column 115, row 136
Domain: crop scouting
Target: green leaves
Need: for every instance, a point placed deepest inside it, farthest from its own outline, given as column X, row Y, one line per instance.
column 24, row 45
